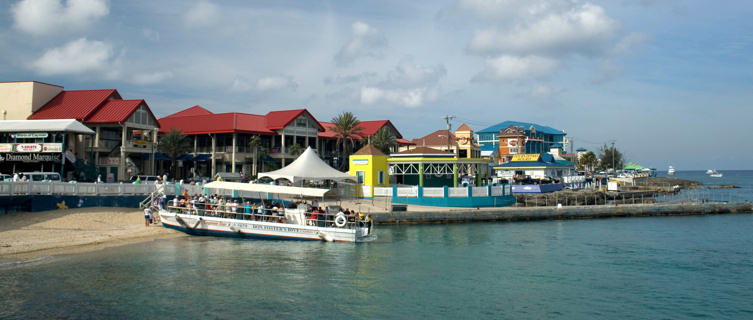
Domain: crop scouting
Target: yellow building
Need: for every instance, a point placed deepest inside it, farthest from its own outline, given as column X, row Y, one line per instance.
column 22, row 98
column 369, row 166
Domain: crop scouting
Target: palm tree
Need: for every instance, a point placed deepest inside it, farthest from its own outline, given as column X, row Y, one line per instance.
column 174, row 144
column 384, row 140
column 253, row 143
column 295, row 150
column 587, row 161
column 346, row 129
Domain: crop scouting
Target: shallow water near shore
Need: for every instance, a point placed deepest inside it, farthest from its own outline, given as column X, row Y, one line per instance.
column 658, row 267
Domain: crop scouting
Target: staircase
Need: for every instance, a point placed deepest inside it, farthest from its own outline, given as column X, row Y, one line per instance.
column 156, row 194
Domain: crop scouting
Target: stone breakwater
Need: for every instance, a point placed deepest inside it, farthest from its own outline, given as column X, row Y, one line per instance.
column 439, row 215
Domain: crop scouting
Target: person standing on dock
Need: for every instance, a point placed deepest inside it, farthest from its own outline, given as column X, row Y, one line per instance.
column 147, row 216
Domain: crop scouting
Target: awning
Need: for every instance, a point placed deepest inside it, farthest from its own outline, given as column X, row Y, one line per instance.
column 157, row 156
column 267, row 188
column 202, row 157
column 184, row 157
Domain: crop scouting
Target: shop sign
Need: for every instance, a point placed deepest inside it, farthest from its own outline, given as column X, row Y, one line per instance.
column 6, row 147
column 31, row 135
column 526, row 157
column 31, row 157
column 360, row 161
column 140, row 143
column 28, row 147
column 52, row 147
column 112, row 161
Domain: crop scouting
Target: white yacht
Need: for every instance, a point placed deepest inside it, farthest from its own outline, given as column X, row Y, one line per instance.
column 671, row 170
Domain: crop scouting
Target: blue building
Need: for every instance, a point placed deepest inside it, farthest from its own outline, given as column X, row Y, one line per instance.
column 537, row 138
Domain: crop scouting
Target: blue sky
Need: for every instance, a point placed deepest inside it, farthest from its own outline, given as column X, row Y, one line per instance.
column 669, row 81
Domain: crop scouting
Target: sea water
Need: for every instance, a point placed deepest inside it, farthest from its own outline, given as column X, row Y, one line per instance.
column 619, row 268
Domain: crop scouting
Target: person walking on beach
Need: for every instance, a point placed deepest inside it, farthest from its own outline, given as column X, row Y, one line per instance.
column 147, row 216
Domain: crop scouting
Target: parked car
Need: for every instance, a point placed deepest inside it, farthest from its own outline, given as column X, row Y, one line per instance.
column 145, row 178
column 42, row 176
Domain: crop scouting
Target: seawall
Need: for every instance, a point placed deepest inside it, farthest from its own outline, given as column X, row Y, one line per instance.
column 443, row 215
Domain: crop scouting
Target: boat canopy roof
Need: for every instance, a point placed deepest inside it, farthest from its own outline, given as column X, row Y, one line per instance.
column 267, row 188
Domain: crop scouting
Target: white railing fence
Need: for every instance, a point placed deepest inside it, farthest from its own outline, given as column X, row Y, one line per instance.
column 90, row 189
column 459, row 192
column 434, row 192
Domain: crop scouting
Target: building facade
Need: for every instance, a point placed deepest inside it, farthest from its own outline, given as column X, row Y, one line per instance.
column 535, row 138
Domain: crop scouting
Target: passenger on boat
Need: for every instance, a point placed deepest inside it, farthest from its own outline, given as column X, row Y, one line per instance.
column 313, row 217
column 351, row 216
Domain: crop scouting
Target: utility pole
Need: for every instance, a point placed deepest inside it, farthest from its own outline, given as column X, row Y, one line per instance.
column 447, row 118
column 613, row 168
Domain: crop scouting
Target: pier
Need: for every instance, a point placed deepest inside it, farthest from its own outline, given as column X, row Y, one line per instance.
column 416, row 215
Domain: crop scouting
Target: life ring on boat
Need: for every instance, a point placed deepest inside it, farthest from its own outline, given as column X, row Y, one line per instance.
column 340, row 220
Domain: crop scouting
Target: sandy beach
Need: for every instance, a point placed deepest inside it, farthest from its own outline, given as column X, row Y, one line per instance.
column 27, row 235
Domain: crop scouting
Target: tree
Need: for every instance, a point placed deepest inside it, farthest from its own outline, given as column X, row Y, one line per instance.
column 384, row 140
column 174, row 144
column 587, row 161
column 610, row 157
column 254, row 142
column 346, row 129
column 295, row 150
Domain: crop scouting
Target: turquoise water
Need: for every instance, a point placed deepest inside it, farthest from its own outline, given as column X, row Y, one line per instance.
column 622, row 268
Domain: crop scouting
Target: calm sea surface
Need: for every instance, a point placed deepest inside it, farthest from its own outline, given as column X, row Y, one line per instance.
column 626, row 268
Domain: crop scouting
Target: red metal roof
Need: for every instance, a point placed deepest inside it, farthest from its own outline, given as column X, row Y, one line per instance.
column 369, row 129
column 436, row 138
column 280, row 119
column 74, row 104
column 115, row 111
column 192, row 111
column 404, row 142
column 424, row 150
column 216, row 123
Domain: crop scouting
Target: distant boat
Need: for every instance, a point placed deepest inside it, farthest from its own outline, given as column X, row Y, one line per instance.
column 671, row 170
column 709, row 171
column 715, row 174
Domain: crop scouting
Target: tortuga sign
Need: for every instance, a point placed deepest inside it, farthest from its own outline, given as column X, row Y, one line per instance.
column 28, row 147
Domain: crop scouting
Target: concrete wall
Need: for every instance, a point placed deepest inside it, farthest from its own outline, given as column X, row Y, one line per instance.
column 20, row 99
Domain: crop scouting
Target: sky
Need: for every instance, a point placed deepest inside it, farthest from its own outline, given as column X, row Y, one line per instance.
column 670, row 82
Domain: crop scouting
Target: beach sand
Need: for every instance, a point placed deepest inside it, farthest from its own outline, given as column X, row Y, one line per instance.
column 28, row 235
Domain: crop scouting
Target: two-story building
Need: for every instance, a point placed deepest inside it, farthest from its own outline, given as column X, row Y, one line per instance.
column 512, row 137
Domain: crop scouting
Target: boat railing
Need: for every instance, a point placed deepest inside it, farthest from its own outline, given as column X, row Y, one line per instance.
column 326, row 219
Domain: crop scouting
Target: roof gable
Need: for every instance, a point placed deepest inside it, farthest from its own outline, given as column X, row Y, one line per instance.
column 277, row 120
column 463, row 128
column 436, row 138
column 75, row 104
column 217, row 123
column 424, row 150
column 369, row 150
column 114, row 111
column 196, row 110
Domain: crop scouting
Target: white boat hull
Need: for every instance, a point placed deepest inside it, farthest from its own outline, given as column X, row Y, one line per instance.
column 224, row 227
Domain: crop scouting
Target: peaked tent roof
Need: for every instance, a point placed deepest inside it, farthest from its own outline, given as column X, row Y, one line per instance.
column 74, row 104
column 308, row 166
column 61, row 125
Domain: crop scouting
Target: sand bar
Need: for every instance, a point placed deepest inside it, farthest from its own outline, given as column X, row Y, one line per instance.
column 27, row 235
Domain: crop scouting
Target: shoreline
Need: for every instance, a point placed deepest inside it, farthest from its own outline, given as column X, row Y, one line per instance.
column 28, row 236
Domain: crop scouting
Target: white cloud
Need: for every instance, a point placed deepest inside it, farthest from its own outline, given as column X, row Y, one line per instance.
column 276, row 83
column 201, row 14
column 41, row 17
column 628, row 42
column 151, row 78
column 76, row 57
column 366, row 42
column 409, row 85
column 150, row 34
column 515, row 68
column 583, row 29
column 405, row 97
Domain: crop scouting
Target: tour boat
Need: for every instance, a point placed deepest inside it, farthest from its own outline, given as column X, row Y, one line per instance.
column 671, row 170
column 288, row 223
column 715, row 174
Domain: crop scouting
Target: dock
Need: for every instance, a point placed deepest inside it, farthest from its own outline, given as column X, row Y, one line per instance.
column 429, row 215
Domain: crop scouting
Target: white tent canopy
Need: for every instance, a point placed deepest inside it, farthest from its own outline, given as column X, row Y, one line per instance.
column 308, row 166
column 62, row 125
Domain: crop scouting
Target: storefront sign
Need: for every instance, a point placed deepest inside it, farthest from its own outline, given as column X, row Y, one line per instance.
column 360, row 161
column 31, row 135
column 140, row 143
column 28, row 147
column 6, row 147
column 526, row 157
column 31, row 157
column 111, row 161
column 52, row 147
